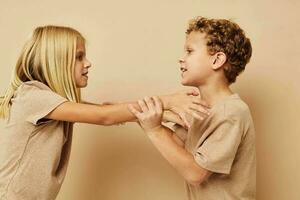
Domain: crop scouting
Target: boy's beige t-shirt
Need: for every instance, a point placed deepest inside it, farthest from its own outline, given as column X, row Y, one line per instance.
column 34, row 152
column 224, row 144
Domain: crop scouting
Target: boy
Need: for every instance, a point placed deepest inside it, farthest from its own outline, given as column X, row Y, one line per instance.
column 216, row 156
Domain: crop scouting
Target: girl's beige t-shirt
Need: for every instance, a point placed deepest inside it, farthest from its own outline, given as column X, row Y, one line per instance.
column 34, row 152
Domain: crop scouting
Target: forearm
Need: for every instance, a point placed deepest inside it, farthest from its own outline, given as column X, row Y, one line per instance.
column 166, row 101
column 89, row 103
column 176, row 155
column 180, row 132
column 178, row 140
column 118, row 112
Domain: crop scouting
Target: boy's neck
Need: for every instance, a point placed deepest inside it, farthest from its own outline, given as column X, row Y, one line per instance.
column 213, row 93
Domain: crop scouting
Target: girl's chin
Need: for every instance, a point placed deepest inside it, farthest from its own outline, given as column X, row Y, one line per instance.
column 82, row 84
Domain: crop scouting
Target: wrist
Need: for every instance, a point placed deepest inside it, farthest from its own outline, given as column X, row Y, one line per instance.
column 154, row 130
column 165, row 101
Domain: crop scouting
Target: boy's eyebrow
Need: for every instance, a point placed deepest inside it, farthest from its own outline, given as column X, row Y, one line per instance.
column 187, row 47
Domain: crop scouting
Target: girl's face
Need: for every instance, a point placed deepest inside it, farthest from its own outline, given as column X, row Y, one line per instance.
column 81, row 66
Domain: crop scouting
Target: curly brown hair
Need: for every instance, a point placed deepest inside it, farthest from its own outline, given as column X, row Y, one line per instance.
column 225, row 36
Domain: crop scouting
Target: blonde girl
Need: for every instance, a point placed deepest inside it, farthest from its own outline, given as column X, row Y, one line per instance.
column 42, row 103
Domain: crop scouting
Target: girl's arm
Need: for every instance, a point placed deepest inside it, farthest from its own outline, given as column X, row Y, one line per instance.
column 92, row 113
column 180, row 103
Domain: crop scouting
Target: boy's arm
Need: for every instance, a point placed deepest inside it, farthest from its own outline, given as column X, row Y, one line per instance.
column 177, row 156
column 169, row 116
column 162, row 137
column 179, row 135
column 180, row 130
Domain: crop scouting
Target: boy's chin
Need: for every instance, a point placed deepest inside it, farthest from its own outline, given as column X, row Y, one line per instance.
column 185, row 83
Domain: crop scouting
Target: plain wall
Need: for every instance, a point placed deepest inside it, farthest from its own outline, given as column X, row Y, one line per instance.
column 134, row 46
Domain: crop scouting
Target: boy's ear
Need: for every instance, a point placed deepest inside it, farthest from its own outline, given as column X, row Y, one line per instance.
column 219, row 59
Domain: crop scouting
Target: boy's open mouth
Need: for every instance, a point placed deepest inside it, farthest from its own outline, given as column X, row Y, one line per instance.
column 183, row 69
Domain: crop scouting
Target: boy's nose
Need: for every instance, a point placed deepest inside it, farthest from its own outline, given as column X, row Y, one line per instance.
column 181, row 61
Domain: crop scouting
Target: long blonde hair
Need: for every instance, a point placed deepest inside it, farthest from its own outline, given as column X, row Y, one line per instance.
column 48, row 57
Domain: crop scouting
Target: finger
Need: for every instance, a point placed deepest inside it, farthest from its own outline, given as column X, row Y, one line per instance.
column 169, row 116
column 158, row 104
column 185, row 121
column 143, row 105
column 139, row 123
column 197, row 116
column 149, row 103
column 134, row 111
column 193, row 92
column 199, row 101
column 200, row 109
column 191, row 112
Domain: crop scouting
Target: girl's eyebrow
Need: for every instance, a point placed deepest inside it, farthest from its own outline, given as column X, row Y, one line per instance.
column 80, row 52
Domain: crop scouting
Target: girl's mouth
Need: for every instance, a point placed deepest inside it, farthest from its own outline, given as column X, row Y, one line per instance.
column 85, row 74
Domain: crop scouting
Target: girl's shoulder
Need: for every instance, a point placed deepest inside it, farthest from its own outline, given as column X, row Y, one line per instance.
column 31, row 86
column 34, row 84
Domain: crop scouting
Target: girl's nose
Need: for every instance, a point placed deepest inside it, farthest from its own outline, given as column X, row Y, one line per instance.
column 180, row 61
column 88, row 64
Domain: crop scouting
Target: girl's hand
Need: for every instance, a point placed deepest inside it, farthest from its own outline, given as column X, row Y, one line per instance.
column 187, row 102
column 151, row 115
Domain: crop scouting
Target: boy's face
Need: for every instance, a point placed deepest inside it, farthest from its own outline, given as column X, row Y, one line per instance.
column 81, row 66
column 195, row 65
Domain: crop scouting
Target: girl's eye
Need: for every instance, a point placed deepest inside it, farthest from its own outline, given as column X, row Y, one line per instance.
column 79, row 57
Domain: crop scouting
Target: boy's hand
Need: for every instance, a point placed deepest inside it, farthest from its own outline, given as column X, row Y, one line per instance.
column 186, row 102
column 169, row 116
column 151, row 115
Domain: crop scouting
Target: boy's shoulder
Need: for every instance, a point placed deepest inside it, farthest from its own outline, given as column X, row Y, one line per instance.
column 232, row 107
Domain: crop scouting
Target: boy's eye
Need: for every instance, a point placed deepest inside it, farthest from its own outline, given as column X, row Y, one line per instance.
column 189, row 51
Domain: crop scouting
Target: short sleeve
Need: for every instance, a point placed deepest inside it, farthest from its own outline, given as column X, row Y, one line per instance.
column 217, row 152
column 38, row 101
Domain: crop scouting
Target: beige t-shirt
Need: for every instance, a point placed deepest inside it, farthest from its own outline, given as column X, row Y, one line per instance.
column 34, row 152
column 224, row 143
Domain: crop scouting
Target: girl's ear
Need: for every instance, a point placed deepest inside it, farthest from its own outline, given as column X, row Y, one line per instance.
column 219, row 59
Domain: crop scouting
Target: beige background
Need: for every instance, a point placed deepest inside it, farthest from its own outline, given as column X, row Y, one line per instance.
column 134, row 46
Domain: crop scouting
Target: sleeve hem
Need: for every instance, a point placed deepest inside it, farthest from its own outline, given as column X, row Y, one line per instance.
column 208, row 167
column 34, row 120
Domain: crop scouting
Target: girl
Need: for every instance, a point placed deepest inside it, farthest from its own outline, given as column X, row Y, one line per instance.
column 41, row 105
